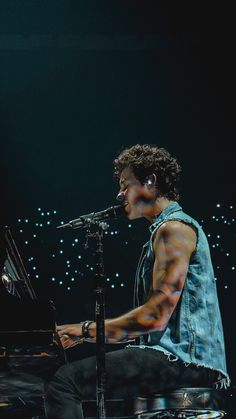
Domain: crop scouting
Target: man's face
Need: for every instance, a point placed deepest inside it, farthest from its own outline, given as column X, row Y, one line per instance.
column 134, row 195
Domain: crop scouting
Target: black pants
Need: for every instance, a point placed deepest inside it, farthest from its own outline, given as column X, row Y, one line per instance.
column 130, row 371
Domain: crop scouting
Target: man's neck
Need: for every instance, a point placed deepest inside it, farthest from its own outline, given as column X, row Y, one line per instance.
column 160, row 204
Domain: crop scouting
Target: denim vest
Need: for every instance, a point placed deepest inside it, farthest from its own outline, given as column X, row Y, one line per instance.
column 194, row 333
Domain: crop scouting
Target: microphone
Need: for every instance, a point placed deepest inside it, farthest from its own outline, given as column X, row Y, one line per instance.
column 93, row 217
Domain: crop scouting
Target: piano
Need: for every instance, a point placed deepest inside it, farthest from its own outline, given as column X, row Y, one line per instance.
column 30, row 349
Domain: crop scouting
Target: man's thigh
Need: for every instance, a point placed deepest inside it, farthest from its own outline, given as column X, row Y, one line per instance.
column 129, row 371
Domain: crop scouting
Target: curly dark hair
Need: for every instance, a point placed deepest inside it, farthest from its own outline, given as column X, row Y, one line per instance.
column 145, row 159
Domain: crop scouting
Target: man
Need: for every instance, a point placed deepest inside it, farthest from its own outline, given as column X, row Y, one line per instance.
column 177, row 316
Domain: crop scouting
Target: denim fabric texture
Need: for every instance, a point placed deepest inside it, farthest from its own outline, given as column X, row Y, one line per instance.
column 194, row 333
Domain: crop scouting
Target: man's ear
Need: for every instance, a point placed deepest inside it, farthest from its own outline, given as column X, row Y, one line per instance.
column 150, row 180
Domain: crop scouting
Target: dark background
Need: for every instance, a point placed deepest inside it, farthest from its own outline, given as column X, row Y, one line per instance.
column 81, row 80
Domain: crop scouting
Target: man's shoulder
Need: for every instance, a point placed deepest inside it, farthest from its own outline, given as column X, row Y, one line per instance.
column 175, row 227
column 178, row 233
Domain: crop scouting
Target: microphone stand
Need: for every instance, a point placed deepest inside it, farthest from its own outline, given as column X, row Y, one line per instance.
column 97, row 220
column 99, row 316
column 99, row 289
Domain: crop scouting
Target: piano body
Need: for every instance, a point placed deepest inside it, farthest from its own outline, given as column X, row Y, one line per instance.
column 30, row 349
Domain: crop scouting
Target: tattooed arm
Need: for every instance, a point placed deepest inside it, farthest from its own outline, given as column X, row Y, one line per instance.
column 173, row 246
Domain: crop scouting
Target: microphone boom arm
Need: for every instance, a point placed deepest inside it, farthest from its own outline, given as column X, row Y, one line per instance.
column 94, row 217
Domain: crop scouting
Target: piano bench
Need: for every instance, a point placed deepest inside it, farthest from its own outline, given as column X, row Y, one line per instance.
column 181, row 403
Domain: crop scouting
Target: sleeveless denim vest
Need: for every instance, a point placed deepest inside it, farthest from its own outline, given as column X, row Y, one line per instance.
column 194, row 333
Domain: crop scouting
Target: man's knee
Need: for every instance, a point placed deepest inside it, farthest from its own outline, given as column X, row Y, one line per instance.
column 64, row 372
column 62, row 380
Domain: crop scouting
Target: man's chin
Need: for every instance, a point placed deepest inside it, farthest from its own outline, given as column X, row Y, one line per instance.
column 133, row 215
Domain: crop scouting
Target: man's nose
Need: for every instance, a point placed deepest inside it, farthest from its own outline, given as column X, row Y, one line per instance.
column 121, row 196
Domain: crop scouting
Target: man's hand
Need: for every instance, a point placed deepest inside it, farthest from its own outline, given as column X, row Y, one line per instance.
column 70, row 334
